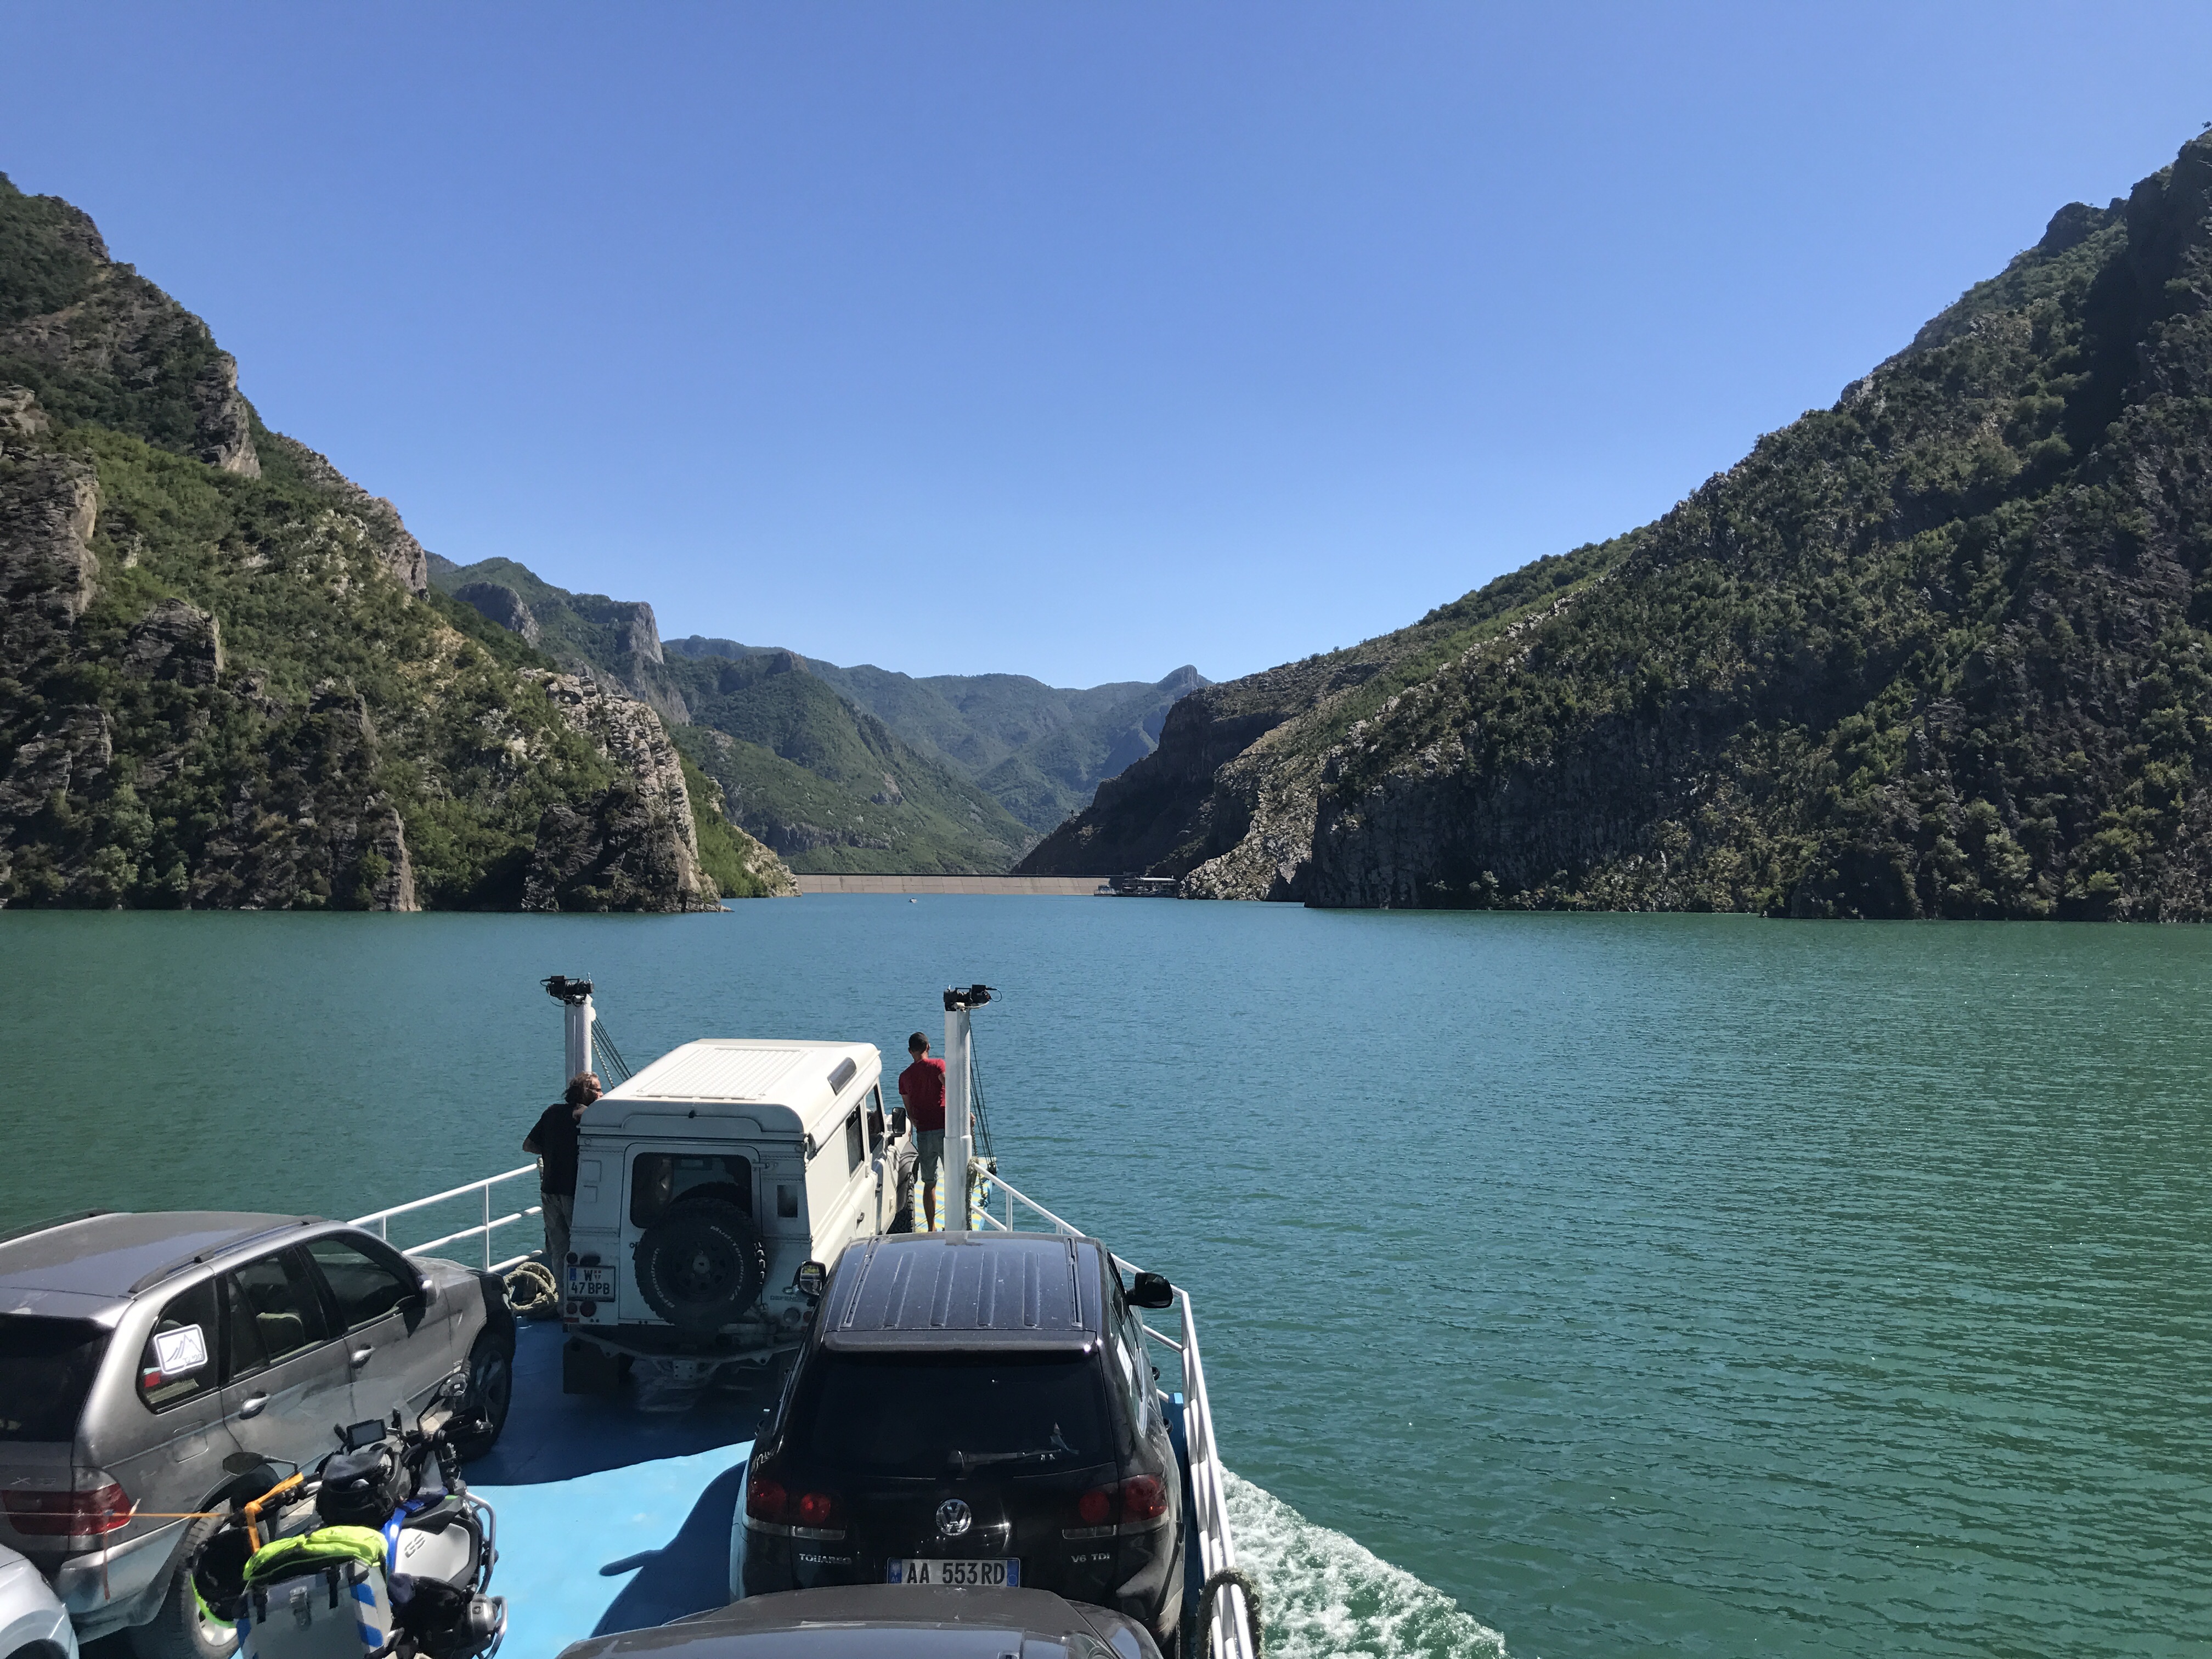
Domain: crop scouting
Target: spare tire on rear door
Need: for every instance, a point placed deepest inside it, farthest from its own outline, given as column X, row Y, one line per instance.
column 702, row 1264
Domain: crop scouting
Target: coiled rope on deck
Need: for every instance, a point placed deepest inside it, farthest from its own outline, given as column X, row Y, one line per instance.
column 1252, row 1624
column 532, row 1292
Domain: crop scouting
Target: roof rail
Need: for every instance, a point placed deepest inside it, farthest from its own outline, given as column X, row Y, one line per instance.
column 52, row 1222
column 213, row 1250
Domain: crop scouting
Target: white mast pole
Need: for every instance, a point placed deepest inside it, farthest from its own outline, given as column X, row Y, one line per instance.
column 953, row 1195
column 576, row 1022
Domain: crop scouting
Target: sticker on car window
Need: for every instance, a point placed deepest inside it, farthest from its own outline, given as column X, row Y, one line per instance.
column 180, row 1351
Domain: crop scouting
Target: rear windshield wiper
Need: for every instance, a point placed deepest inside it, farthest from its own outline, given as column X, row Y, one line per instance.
column 962, row 1461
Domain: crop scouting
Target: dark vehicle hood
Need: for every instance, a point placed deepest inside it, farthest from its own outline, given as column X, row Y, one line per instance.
column 882, row 1621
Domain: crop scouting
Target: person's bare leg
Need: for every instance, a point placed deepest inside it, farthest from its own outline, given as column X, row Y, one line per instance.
column 929, row 1209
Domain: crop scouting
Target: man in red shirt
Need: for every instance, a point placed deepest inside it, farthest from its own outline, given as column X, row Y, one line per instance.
column 921, row 1085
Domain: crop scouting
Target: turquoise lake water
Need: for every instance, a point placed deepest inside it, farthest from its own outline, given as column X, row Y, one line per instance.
column 1590, row 1284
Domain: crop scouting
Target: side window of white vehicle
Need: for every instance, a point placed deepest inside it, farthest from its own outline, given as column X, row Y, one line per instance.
column 856, row 1143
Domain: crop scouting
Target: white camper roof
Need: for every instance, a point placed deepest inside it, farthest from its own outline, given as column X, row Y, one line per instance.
column 794, row 1086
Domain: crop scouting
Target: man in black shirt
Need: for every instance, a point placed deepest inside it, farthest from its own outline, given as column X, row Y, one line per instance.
column 553, row 1142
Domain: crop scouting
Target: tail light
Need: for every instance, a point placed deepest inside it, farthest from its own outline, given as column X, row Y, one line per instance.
column 85, row 1514
column 764, row 1499
column 1139, row 1498
column 1142, row 1499
column 767, row 1501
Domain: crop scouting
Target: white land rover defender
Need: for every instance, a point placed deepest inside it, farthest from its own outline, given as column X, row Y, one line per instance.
column 704, row 1185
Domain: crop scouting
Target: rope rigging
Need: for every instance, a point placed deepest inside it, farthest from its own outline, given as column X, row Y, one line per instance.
column 975, row 1093
column 612, row 1066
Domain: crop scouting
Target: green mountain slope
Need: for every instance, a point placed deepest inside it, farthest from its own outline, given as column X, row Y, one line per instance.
column 1938, row 650
column 1040, row 750
column 867, row 800
column 223, row 681
column 818, row 780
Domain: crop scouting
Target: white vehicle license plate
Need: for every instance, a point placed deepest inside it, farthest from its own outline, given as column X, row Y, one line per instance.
column 982, row 1575
column 591, row 1284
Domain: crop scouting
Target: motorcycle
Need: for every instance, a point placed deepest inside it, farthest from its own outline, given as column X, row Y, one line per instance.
column 382, row 1552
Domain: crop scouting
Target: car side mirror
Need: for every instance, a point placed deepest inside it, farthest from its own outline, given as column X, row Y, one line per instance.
column 898, row 1121
column 1152, row 1291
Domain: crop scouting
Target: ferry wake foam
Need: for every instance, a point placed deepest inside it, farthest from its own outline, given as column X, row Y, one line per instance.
column 1327, row 1596
column 667, row 1525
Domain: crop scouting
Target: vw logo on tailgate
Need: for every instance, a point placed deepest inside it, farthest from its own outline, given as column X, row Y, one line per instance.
column 953, row 1518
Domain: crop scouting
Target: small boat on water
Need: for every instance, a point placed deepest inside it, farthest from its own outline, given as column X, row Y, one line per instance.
column 718, row 1189
column 1138, row 885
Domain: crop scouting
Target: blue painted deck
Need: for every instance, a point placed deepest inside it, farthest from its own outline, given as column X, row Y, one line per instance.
column 581, row 1483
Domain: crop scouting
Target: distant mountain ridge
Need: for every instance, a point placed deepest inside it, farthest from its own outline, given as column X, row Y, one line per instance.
column 1943, row 649
column 846, row 769
column 1043, row 750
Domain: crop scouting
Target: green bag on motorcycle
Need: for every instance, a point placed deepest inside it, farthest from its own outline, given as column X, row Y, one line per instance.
column 321, row 1595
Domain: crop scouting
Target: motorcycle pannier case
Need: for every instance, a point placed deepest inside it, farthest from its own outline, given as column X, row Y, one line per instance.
column 321, row 1595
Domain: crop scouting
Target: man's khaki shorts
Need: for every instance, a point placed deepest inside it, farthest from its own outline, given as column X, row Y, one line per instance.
column 929, row 1153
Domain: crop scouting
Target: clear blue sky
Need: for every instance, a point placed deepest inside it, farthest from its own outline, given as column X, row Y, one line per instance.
column 1079, row 340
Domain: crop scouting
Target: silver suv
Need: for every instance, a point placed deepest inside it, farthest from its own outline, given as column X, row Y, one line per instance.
column 151, row 1364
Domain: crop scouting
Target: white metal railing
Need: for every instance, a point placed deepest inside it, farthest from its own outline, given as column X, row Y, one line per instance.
column 381, row 1219
column 1217, row 1549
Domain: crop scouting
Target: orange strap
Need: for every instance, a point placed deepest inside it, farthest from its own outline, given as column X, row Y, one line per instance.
column 253, row 1510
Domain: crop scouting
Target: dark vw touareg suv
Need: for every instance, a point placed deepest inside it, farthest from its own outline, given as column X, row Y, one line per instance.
column 972, row 1410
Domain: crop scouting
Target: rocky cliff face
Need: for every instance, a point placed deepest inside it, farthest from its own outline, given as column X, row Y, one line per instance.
column 618, row 640
column 49, row 504
column 400, row 553
column 1180, row 805
column 1938, row 650
column 501, row 605
column 96, row 340
column 635, row 847
column 223, row 679
column 313, row 827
